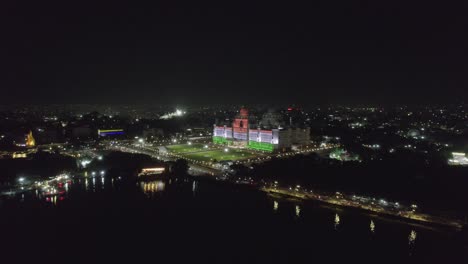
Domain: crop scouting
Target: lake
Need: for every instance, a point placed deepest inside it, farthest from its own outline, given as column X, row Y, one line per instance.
column 102, row 220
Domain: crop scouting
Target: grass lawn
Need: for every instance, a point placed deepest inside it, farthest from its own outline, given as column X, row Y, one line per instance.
column 220, row 155
column 183, row 148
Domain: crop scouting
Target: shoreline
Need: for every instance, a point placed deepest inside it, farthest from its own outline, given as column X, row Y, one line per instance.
column 406, row 216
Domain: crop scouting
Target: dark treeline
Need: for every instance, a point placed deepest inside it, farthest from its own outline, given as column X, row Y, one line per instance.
column 118, row 163
column 402, row 178
column 40, row 164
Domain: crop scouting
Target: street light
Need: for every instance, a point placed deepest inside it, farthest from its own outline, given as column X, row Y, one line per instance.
column 21, row 180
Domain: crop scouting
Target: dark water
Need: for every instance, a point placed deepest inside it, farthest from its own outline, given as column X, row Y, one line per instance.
column 105, row 221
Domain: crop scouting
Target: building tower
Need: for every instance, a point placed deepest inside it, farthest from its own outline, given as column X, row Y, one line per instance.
column 240, row 125
column 30, row 141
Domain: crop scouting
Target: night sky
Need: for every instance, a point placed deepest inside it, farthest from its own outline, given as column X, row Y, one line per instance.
column 354, row 52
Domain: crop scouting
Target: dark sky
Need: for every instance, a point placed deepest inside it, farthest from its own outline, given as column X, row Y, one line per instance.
column 327, row 51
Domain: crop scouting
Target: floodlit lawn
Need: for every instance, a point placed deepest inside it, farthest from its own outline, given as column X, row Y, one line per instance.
column 220, row 155
column 183, row 148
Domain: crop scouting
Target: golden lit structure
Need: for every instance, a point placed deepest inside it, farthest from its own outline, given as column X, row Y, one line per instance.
column 151, row 171
column 18, row 155
column 30, row 141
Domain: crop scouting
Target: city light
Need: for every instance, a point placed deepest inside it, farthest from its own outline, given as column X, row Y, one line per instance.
column 177, row 113
column 84, row 163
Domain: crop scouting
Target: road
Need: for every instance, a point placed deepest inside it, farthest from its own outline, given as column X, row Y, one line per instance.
column 194, row 169
column 367, row 204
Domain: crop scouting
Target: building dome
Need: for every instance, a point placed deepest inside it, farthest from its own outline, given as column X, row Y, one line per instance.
column 271, row 119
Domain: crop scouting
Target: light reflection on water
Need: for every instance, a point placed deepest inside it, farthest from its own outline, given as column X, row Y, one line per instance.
column 194, row 187
column 298, row 211
column 412, row 237
column 86, row 184
column 412, row 242
column 407, row 236
column 152, row 187
column 337, row 221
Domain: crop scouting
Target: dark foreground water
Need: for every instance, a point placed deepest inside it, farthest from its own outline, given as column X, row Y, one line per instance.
column 105, row 221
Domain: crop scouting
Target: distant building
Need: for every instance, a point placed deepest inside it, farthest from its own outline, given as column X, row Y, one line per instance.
column 242, row 135
column 151, row 171
column 25, row 140
column 271, row 119
column 110, row 132
column 30, row 141
column 458, row 158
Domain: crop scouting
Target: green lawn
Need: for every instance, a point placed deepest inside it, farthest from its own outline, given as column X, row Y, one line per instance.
column 220, row 155
column 183, row 148
column 197, row 152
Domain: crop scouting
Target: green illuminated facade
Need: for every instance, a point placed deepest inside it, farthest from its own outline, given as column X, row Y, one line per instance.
column 261, row 146
column 220, row 140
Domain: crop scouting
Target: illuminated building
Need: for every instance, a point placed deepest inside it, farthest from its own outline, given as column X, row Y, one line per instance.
column 151, row 171
column 110, row 132
column 459, row 158
column 18, row 155
column 25, row 140
column 30, row 141
column 242, row 135
column 240, row 126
